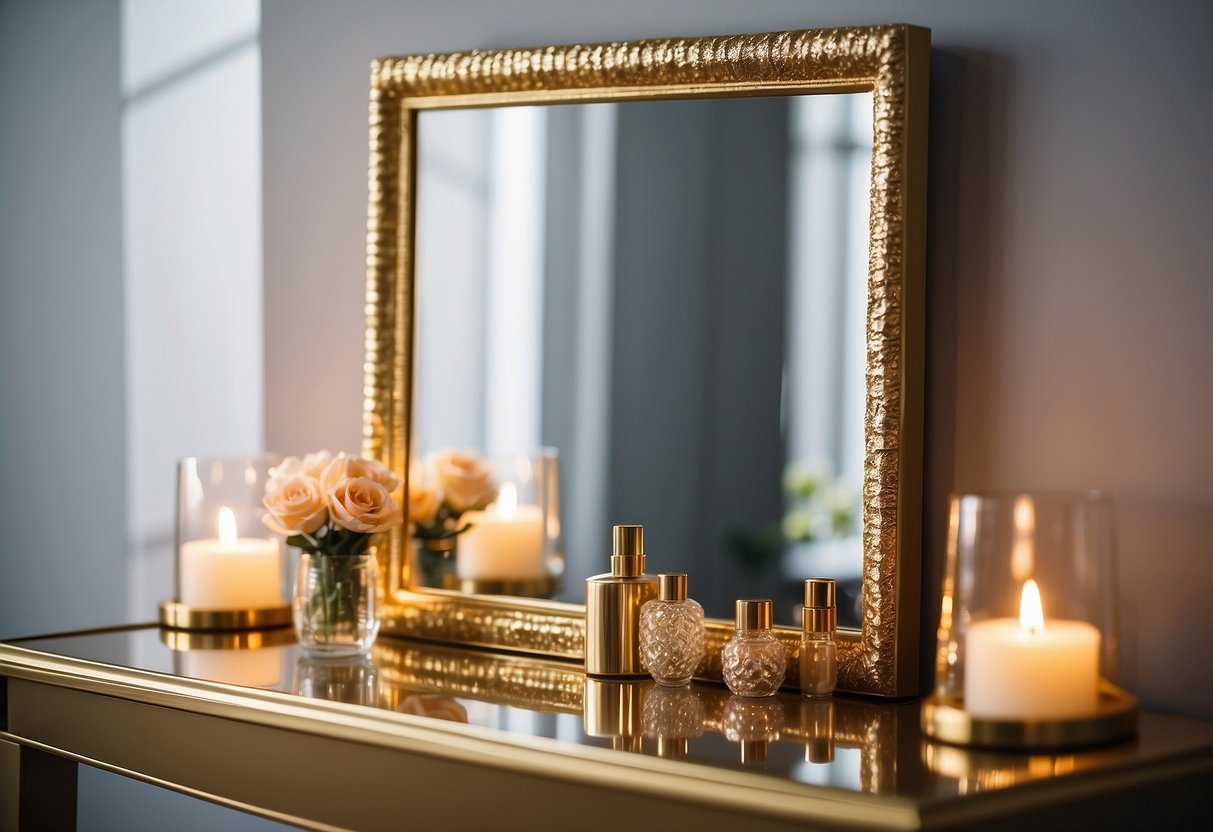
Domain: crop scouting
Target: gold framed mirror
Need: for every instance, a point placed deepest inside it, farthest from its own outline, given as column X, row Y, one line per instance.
column 890, row 63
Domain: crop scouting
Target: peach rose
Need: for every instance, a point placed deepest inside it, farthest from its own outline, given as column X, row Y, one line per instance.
column 344, row 467
column 424, row 496
column 362, row 505
column 464, row 478
column 296, row 506
column 292, row 466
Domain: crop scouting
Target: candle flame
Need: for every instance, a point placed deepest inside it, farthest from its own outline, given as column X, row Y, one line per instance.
column 507, row 500
column 227, row 528
column 1031, row 611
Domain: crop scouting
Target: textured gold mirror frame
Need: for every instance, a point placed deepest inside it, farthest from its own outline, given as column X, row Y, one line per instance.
column 890, row 61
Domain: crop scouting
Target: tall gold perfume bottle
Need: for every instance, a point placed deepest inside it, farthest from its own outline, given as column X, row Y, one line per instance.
column 612, row 608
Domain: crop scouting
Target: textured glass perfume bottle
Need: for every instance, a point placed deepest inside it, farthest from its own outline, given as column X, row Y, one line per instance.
column 671, row 632
column 818, row 653
column 754, row 660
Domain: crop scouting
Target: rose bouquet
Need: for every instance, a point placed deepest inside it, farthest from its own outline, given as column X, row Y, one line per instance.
column 330, row 507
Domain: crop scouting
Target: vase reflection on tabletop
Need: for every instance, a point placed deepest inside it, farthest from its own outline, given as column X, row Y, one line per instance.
column 354, row 681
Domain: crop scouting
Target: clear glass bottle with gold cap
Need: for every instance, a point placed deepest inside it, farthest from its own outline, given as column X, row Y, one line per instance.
column 671, row 632
column 753, row 661
column 818, row 652
column 612, row 608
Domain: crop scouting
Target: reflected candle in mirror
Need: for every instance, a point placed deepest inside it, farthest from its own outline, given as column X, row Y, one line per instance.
column 230, row 572
column 505, row 542
column 1030, row 668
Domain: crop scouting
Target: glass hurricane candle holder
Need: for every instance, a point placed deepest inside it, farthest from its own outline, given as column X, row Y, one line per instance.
column 1026, row 653
column 231, row 572
column 514, row 544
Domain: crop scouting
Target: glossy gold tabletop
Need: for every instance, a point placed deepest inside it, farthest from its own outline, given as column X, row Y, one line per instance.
column 783, row 760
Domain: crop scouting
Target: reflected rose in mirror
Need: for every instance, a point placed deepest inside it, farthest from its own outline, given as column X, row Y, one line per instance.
column 463, row 476
column 425, row 497
column 436, row 707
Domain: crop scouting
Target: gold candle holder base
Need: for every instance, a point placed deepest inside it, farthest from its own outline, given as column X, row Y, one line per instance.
column 944, row 719
column 177, row 616
column 533, row 588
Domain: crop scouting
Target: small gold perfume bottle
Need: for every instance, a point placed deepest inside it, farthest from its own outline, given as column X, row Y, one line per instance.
column 818, row 653
column 612, row 608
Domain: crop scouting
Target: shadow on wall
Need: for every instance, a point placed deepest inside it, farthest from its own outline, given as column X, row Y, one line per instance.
column 965, row 199
column 1158, row 541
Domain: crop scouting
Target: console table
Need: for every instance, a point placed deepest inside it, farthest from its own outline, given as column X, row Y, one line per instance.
column 437, row 737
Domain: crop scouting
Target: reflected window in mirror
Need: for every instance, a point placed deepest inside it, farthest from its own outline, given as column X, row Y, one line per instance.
column 673, row 294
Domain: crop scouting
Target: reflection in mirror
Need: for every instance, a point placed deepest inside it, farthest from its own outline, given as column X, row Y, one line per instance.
column 673, row 295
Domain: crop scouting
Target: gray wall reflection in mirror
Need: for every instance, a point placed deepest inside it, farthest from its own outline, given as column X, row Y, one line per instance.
column 672, row 294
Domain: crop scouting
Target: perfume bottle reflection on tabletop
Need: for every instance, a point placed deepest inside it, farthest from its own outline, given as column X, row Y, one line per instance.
column 353, row 680
column 615, row 709
column 673, row 716
column 755, row 724
column 817, row 725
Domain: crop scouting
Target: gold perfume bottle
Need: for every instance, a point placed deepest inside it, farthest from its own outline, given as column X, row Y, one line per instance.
column 612, row 608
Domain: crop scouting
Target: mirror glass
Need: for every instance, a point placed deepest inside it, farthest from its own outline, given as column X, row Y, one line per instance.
column 672, row 294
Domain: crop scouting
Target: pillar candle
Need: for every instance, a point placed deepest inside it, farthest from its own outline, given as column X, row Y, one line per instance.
column 1031, row 668
column 230, row 573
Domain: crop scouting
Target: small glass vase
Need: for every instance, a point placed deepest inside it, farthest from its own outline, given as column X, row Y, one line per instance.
column 335, row 605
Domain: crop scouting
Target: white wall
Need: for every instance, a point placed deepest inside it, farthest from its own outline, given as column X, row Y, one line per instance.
column 1069, row 254
column 191, row 176
column 62, row 408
